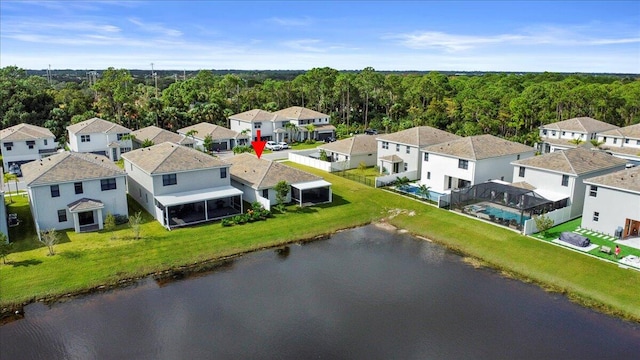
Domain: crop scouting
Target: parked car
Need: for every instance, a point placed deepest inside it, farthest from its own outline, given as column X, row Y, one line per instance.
column 284, row 145
column 371, row 132
column 330, row 139
column 15, row 170
column 272, row 145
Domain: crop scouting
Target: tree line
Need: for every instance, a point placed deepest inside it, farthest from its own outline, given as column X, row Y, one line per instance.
column 512, row 106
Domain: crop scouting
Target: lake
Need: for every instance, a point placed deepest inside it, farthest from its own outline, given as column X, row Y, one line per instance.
column 366, row 293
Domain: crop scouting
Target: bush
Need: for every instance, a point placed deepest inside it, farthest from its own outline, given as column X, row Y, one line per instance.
column 121, row 219
column 310, row 141
column 226, row 222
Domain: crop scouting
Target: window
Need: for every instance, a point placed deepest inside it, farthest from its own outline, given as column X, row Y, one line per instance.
column 604, row 139
column 596, row 216
column 85, row 138
column 544, row 132
column 131, row 166
column 397, row 147
column 563, row 133
column 46, row 142
column 565, row 180
column 518, row 157
column 406, row 167
column 615, row 140
column 593, row 191
column 265, row 193
column 426, row 157
column 169, row 179
column 385, row 145
column 124, row 150
column 573, row 135
column 428, row 175
column 521, row 171
column 408, row 150
column 62, row 215
column 8, row 146
column 637, row 142
column 31, row 144
column 553, row 133
column 55, row 190
column 78, row 187
column 223, row 173
column 257, row 125
column 463, row 164
column 107, row 184
column 120, row 136
column 626, row 141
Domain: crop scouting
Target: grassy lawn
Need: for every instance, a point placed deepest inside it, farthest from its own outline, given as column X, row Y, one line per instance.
column 32, row 275
column 370, row 172
column 305, row 146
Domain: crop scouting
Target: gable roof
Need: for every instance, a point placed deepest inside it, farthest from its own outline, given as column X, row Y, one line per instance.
column 96, row 126
column 355, row 145
column 631, row 131
column 581, row 124
column 217, row 132
column 419, row 136
column 300, row 113
column 158, row 136
column 169, row 157
column 576, row 161
column 627, row 179
column 69, row 166
column 256, row 115
column 479, row 147
column 265, row 174
column 25, row 132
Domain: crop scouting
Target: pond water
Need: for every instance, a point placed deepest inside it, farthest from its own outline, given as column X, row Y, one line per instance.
column 365, row 293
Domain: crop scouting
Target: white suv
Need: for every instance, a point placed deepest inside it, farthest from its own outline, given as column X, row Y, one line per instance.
column 272, row 145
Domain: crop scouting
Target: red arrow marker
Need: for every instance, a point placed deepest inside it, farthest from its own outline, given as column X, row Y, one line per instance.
column 258, row 145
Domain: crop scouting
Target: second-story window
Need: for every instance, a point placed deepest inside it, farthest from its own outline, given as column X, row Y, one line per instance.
column 108, row 184
column 426, row 157
column 397, row 147
column 385, row 145
column 257, row 125
column 85, row 138
column 31, row 144
column 408, row 150
column 120, row 136
column 521, row 171
column 169, row 179
column 463, row 164
column 46, row 142
column 223, row 173
column 593, row 191
column 78, row 187
column 8, row 146
column 55, row 190
column 544, row 132
column 565, row 180
column 265, row 193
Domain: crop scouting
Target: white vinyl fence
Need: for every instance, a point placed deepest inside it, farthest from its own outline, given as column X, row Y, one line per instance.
column 386, row 179
column 558, row 216
column 304, row 157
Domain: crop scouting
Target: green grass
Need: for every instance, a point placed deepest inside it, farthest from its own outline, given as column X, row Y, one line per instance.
column 305, row 146
column 88, row 260
column 370, row 172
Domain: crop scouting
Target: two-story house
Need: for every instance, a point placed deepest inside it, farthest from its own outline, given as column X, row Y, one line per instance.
column 22, row 143
column 560, row 175
column 74, row 190
column 471, row 160
column 257, row 179
column 221, row 137
column 622, row 142
column 399, row 152
column 571, row 133
column 309, row 124
column 99, row 136
column 157, row 135
column 612, row 203
column 356, row 150
column 181, row 186
column 248, row 123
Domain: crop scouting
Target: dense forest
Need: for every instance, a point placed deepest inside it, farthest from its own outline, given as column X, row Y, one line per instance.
column 508, row 105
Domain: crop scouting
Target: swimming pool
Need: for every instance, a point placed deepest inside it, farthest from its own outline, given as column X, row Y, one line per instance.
column 505, row 214
column 414, row 190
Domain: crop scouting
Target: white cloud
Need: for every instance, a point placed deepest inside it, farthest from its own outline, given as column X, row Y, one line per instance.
column 305, row 21
column 155, row 28
column 309, row 45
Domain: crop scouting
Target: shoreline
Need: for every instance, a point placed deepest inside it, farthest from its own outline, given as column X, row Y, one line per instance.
column 12, row 312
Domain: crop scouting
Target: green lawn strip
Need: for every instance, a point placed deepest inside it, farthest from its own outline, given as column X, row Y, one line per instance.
column 304, row 146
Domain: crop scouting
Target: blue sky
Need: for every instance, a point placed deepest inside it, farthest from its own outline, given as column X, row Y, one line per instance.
column 578, row 36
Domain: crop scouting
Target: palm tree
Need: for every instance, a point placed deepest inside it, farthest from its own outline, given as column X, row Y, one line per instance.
column 424, row 191
column 293, row 130
column 310, row 128
column 8, row 177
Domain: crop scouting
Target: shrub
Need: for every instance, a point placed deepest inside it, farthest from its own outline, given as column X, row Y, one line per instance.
column 226, row 222
column 121, row 219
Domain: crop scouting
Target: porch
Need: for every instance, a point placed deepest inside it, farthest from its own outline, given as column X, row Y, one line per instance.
column 87, row 215
column 311, row 193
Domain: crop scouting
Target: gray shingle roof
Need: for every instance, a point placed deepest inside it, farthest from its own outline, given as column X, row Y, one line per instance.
column 356, row 145
column 581, row 124
column 169, row 158
column 567, row 143
column 631, row 131
column 265, row 174
column 85, row 204
column 627, row 179
column 97, row 126
column 419, row 136
column 478, row 147
column 392, row 158
column 217, row 132
column 69, row 166
column 158, row 136
column 576, row 161
column 257, row 115
column 300, row 113
column 25, row 132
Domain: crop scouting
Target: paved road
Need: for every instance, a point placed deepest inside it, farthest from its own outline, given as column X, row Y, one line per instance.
column 276, row 155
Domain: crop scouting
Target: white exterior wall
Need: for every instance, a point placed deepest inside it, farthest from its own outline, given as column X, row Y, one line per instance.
column 412, row 159
column 353, row 161
column 98, row 142
column 266, row 128
column 250, row 195
column 441, row 167
column 619, row 142
column 191, row 180
column 20, row 151
column 498, row 168
column 45, row 208
column 4, row 228
column 611, row 214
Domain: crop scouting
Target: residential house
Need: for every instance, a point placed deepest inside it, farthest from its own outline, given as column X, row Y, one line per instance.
column 181, row 186
column 157, row 135
column 471, row 160
column 271, row 126
column 221, row 137
column 560, row 175
column 309, row 124
column 356, row 150
column 4, row 217
column 24, row 142
column 399, row 152
column 74, row 190
column 258, row 177
column 612, row 203
column 99, row 136
column 622, row 142
column 571, row 133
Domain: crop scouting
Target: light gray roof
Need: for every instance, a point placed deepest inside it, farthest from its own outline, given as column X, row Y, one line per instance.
column 627, row 179
column 216, row 132
column 85, row 204
column 523, row 185
column 265, row 174
column 631, row 131
column 69, row 166
column 580, row 124
column 419, row 136
column 479, row 147
column 356, row 145
column 25, row 132
column 622, row 151
column 256, row 115
column 97, row 126
column 567, row 143
column 300, row 113
column 576, row 161
column 158, row 136
column 392, row 158
column 169, row 158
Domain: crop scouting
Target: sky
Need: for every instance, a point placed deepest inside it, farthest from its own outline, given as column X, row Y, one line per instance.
column 520, row 36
